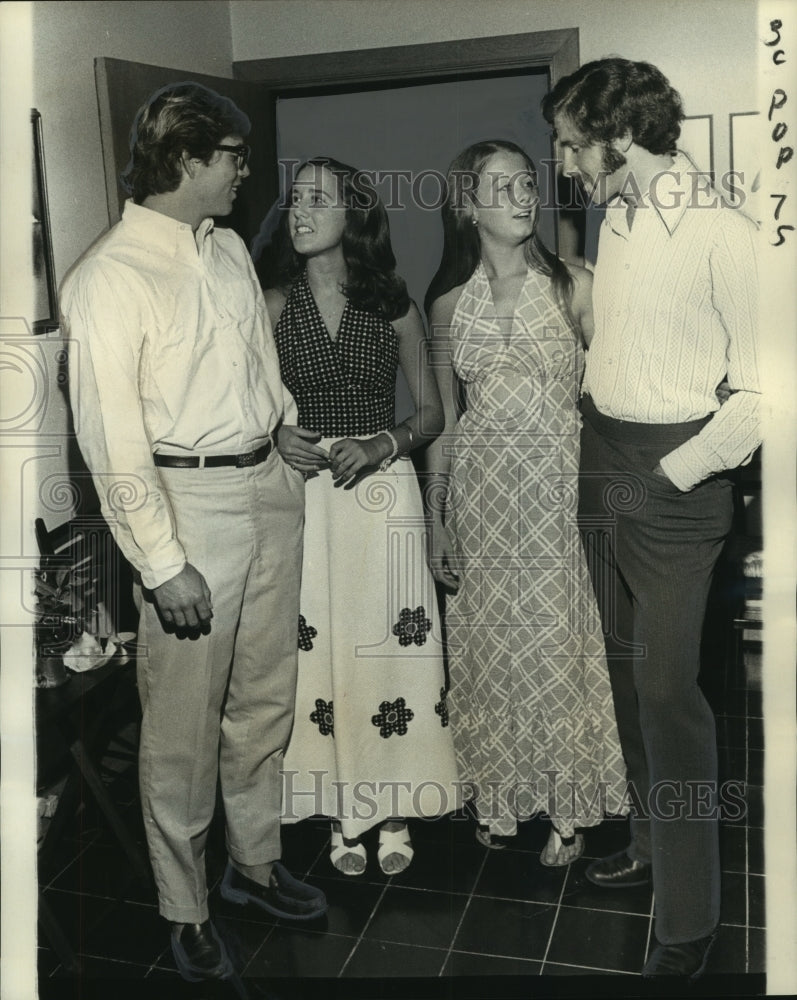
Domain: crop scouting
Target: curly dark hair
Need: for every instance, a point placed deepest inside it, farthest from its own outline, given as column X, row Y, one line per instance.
column 606, row 98
column 461, row 240
column 180, row 117
column 372, row 283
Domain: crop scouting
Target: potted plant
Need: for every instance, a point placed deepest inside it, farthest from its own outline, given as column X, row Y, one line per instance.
column 61, row 617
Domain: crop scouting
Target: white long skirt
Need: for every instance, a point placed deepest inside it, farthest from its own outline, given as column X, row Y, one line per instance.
column 371, row 738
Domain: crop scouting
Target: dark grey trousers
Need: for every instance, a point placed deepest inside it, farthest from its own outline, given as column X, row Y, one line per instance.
column 651, row 550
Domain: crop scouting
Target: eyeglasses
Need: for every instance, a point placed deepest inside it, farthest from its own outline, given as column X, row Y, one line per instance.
column 242, row 152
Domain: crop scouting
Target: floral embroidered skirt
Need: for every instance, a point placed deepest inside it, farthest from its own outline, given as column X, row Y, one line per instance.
column 371, row 738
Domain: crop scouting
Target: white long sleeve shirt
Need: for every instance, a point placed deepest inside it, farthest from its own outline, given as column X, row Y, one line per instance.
column 675, row 301
column 171, row 350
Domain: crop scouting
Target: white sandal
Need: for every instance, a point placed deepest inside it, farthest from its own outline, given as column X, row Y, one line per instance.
column 394, row 842
column 339, row 850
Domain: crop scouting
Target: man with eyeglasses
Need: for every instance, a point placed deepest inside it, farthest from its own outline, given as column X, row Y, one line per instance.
column 177, row 395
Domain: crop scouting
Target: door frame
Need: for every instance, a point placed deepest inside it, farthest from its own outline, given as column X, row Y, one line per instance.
column 555, row 50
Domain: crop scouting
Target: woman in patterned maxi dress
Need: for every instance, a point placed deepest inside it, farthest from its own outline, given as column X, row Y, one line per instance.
column 530, row 702
column 370, row 743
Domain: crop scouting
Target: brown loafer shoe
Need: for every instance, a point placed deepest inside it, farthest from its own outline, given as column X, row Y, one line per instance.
column 199, row 952
column 618, row 871
column 687, row 959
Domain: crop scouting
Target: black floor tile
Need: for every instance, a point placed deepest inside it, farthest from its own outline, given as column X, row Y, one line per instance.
column 732, row 731
column 507, row 928
column 519, row 875
column 416, row 917
column 46, row 960
column 608, row 837
column 742, row 848
column 463, row 963
column 380, row 959
column 351, row 901
column 741, row 764
column 131, row 933
column 104, row 870
column 754, row 797
column 733, row 848
column 531, row 835
column 79, row 917
column 755, row 850
column 754, row 709
column 612, row 941
column 292, row 952
column 105, row 968
column 580, row 892
column 305, row 846
column 755, row 733
column 242, row 938
column 454, row 828
column 733, row 908
column 560, row 969
column 732, row 952
column 756, row 950
column 442, row 867
column 756, row 894
column 755, row 766
column 732, row 764
column 60, row 857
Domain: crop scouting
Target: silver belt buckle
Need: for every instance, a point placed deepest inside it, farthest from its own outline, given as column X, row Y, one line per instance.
column 242, row 461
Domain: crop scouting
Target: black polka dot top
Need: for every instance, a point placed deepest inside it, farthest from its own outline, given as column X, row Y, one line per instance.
column 342, row 387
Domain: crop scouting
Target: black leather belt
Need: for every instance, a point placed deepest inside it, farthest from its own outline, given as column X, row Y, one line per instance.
column 213, row 461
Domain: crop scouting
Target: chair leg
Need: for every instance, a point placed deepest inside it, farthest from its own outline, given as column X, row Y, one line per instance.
column 56, row 937
column 97, row 786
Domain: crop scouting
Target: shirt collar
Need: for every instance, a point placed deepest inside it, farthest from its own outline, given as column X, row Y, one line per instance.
column 669, row 196
column 162, row 230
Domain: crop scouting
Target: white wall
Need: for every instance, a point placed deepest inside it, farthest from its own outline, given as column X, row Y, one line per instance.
column 192, row 34
column 707, row 48
column 67, row 37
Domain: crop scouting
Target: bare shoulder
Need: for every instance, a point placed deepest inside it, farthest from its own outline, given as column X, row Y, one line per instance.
column 411, row 322
column 442, row 310
column 275, row 303
column 582, row 279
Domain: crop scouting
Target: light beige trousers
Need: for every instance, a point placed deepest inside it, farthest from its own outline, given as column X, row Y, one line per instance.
column 221, row 705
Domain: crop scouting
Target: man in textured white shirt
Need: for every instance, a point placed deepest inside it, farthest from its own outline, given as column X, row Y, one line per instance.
column 177, row 395
column 675, row 296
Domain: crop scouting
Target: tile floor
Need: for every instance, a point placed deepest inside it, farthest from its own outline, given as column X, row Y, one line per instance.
column 495, row 920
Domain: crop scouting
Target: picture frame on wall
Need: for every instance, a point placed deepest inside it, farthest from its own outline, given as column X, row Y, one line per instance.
column 45, row 299
column 745, row 160
column 697, row 140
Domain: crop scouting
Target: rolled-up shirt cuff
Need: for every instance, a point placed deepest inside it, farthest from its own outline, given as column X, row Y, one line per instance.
column 168, row 564
column 683, row 467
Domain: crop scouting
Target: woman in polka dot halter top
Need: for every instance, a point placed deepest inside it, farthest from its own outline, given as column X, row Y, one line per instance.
column 370, row 744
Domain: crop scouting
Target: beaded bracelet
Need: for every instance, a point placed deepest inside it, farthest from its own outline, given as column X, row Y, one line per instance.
column 384, row 465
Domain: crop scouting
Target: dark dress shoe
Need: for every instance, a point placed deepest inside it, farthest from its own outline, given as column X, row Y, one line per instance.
column 284, row 896
column 199, row 952
column 688, row 959
column 618, row 871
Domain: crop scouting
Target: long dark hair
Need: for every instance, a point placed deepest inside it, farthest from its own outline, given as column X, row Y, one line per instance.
column 461, row 240
column 372, row 283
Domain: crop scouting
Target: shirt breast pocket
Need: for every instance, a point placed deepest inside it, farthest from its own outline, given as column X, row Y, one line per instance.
column 237, row 301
